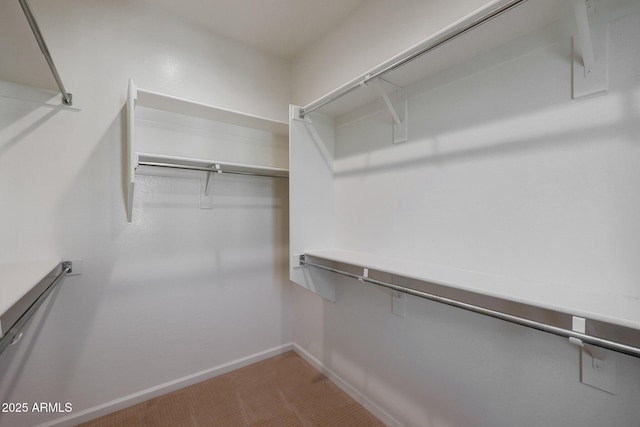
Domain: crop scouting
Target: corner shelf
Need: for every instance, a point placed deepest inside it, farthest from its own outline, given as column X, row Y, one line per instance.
column 137, row 157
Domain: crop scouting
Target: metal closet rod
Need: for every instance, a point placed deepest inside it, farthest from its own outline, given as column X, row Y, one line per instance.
column 465, row 26
column 13, row 334
column 584, row 338
column 209, row 169
column 66, row 96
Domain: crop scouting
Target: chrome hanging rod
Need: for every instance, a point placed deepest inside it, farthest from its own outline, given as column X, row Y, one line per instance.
column 439, row 39
column 66, row 96
column 14, row 334
column 214, row 170
column 584, row 338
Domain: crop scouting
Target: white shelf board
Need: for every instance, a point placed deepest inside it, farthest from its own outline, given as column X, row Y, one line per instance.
column 206, row 163
column 17, row 279
column 159, row 101
column 517, row 22
column 609, row 308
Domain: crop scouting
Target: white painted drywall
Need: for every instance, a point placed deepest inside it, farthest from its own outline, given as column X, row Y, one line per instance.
column 181, row 289
column 503, row 173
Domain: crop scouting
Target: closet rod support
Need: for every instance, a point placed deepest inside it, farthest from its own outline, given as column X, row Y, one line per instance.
column 400, row 125
column 67, row 98
column 394, row 114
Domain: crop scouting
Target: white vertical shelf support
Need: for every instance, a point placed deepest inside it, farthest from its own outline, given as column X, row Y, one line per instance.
column 311, row 197
column 590, row 52
column 132, row 95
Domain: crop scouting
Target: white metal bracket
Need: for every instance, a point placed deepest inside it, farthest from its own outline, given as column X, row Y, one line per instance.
column 365, row 275
column 590, row 52
column 400, row 125
column 210, row 175
column 206, row 184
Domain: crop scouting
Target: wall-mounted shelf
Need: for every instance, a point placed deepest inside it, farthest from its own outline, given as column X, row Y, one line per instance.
column 494, row 24
column 174, row 104
column 200, row 150
column 611, row 321
column 211, row 166
column 609, row 308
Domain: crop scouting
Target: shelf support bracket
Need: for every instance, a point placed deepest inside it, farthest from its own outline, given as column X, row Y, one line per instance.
column 584, row 34
column 400, row 128
column 597, row 365
column 209, row 180
column 590, row 62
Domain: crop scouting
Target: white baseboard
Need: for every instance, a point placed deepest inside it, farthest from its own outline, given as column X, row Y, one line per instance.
column 159, row 390
column 348, row 388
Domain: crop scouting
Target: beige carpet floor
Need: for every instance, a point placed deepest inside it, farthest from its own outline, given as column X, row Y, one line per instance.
column 281, row 391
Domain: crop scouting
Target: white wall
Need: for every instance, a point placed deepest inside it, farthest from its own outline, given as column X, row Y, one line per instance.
column 503, row 173
column 178, row 291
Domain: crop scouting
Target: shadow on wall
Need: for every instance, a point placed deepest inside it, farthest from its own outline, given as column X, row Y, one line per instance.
column 59, row 332
column 13, row 138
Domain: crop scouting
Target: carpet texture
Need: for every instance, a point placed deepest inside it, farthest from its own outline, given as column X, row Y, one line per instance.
column 281, row 391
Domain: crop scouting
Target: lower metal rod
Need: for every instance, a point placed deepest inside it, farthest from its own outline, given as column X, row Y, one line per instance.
column 208, row 169
column 66, row 96
column 587, row 339
column 14, row 331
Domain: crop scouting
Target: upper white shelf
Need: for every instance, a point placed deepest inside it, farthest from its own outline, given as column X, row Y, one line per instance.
column 610, row 308
column 173, row 104
column 17, row 279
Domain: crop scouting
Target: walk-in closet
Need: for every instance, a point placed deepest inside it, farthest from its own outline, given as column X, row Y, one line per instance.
column 320, row 213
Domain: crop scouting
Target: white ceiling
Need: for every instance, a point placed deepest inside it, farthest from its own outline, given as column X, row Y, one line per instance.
column 280, row 27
